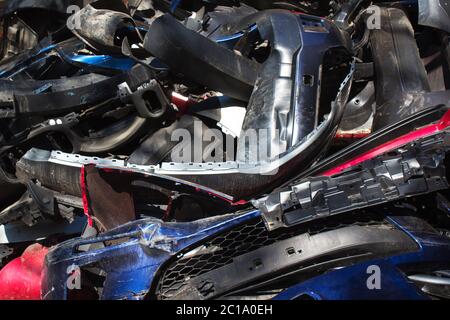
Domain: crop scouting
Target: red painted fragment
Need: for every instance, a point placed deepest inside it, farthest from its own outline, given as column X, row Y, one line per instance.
column 84, row 196
column 183, row 103
column 21, row 278
column 443, row 123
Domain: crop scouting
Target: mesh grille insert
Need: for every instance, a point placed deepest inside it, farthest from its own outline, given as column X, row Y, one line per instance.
column 221, row 249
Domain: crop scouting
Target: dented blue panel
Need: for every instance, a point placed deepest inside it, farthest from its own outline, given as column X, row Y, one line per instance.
column 131, row 265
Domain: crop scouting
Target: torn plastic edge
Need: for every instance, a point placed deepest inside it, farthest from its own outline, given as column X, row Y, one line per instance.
column 351, row 135
column 84, row 196
column 442, row 124
column 206, row 190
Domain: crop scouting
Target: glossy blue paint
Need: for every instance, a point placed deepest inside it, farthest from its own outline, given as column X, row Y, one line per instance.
column 132, row 264
column 46, row 49
column 100, row 61
column 350, row 283
column 236, row 36
column 174, row 5
column 231, row 40
column 104, row 61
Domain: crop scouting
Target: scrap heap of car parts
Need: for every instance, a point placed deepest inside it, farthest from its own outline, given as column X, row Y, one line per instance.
column 128, row 167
